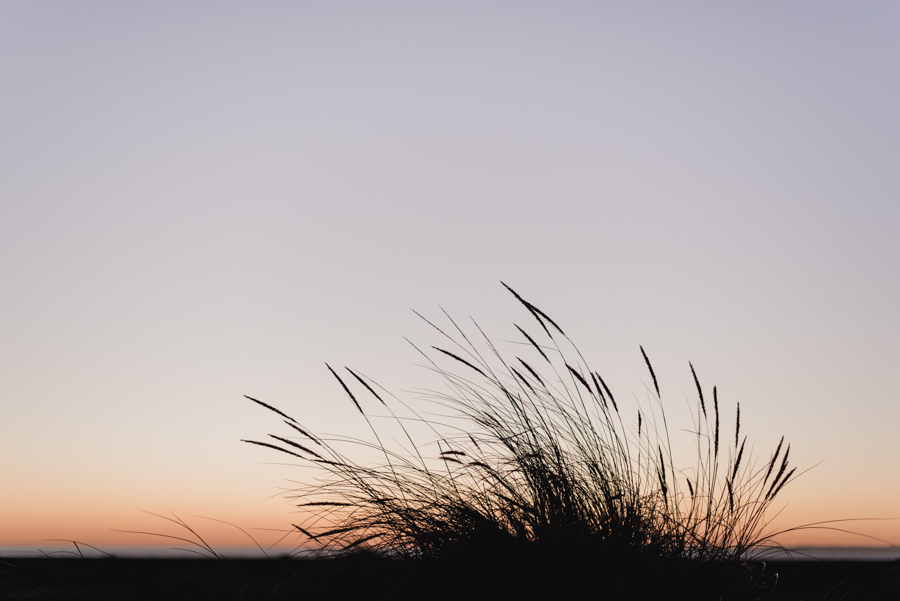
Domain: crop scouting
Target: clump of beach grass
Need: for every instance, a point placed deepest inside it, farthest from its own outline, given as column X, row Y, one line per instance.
column 531, row 452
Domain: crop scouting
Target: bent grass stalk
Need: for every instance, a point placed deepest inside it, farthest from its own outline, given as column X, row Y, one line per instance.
column 534, row 452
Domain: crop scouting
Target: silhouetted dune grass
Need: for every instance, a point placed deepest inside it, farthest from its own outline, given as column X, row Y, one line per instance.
column 531, row 479
column 534, row 458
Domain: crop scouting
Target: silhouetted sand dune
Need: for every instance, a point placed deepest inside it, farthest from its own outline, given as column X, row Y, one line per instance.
column 366, row 576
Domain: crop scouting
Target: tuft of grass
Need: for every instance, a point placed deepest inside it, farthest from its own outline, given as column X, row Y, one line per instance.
column 531, row 453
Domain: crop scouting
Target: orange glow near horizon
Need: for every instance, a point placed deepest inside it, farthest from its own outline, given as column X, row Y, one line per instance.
column 142, row 530
column 102, row 528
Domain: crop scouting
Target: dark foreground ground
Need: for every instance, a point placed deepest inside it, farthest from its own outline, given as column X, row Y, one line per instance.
column 365, row 577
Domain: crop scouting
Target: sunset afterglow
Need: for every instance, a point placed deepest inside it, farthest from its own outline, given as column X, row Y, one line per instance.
column 202, row 201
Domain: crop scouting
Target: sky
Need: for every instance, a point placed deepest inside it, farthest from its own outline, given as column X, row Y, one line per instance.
column 200, row 201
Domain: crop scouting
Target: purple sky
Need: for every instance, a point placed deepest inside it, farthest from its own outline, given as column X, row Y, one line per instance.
column 200, row 201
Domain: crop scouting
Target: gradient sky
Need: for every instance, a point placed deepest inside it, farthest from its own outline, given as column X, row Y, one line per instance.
column 210, row 199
